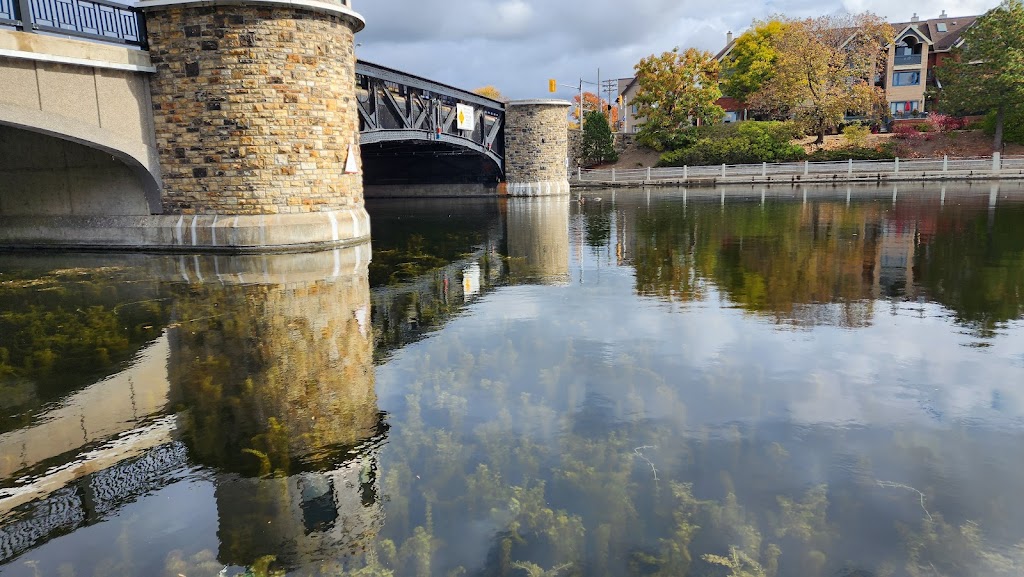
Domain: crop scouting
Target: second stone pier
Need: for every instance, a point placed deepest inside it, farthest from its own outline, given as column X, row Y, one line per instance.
column 536, row 147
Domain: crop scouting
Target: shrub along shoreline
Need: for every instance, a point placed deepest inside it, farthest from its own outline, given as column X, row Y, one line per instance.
column 753, row 142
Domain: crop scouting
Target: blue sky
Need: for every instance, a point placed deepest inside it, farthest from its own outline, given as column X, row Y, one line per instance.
column 517, row 45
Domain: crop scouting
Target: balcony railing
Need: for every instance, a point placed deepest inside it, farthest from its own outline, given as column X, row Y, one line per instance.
column 91, row 19
column 907, row 60
column 7, row 13
column 903, row 115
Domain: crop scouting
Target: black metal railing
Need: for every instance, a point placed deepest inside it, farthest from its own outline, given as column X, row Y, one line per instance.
column 907, row 59
column 90, row 19
column 904, row 115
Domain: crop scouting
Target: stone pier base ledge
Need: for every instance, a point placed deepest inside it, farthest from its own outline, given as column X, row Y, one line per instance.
column 189, row 233
column 539, row 188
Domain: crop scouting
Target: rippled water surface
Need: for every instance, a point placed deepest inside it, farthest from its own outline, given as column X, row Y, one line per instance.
column 778, row 383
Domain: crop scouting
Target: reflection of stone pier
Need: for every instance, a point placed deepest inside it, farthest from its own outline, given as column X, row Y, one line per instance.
column 264, row 374
column 538, row 240
column 276, row 379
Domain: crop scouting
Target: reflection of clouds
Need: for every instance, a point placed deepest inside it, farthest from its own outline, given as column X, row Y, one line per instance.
column 901, row 369
column 904, row 368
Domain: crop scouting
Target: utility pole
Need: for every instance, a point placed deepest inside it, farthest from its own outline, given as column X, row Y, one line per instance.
column 581, row 108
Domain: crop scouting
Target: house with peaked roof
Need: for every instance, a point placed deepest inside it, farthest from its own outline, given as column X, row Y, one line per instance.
column 631, row 122
column 919, row 46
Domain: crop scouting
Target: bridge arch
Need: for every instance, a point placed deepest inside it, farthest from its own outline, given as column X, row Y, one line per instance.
column 412, row 157
column 441, row 134
column 140, row 158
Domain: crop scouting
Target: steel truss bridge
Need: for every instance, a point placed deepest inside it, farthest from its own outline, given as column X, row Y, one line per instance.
column 402, row 115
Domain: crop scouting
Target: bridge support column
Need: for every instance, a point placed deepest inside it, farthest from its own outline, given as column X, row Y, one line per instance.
column 536, row 147
column 255, row 119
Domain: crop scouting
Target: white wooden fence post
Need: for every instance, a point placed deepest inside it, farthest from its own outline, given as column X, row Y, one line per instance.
column 648, row 173
column 579, row 173
column 685, row 176
column 945, row 163
column 764, row 170
column 849, row 167
column 996, row 164
column 723, row 171
column 807, row 168
column 897, row 165
column 613, row 175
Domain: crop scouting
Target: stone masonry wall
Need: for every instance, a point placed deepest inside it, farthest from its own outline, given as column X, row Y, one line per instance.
column 575, row 148
column 254, row 109
column 536, row 147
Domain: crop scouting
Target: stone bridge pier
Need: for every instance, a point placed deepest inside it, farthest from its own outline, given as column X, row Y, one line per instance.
column 255, row 119
column 536, row 147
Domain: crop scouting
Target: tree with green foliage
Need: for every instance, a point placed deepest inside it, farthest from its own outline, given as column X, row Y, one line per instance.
column 987, row 71
column 675, row 90
column 752, row 60
column 825, row 68
column 597, row 147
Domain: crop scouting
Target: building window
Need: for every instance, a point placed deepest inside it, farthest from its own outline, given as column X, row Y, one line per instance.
column 906, row 78
column 731, row 116
column 904, row 109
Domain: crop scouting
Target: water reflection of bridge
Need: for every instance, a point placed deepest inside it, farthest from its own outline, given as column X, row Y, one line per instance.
column 265, row 376
column 268, row 382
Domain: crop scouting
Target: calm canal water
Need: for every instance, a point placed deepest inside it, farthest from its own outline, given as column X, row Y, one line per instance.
column 673, row 383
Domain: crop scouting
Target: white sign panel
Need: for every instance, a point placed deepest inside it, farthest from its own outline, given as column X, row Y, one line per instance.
column 470, row 281
column 465, row 116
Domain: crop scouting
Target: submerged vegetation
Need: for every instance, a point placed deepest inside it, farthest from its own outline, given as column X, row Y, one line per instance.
column 578, row 445
column 66, row 328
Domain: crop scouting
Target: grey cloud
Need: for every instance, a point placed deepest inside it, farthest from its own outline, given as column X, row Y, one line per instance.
column 517, row 45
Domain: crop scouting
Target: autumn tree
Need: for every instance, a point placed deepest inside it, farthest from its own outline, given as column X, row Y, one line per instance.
column 825, row 68
column 592, row 103
column 752, row 60
column 675, row 90
column 597, row 146
column 987, row 71
column 491, row 92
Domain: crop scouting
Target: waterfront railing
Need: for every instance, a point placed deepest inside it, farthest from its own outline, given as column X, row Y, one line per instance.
column 995, row 166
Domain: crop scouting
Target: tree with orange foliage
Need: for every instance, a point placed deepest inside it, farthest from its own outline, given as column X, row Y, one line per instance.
column 491, row 92
column 592, row 103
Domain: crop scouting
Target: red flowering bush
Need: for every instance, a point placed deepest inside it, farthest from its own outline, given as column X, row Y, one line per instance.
column 945, row 122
